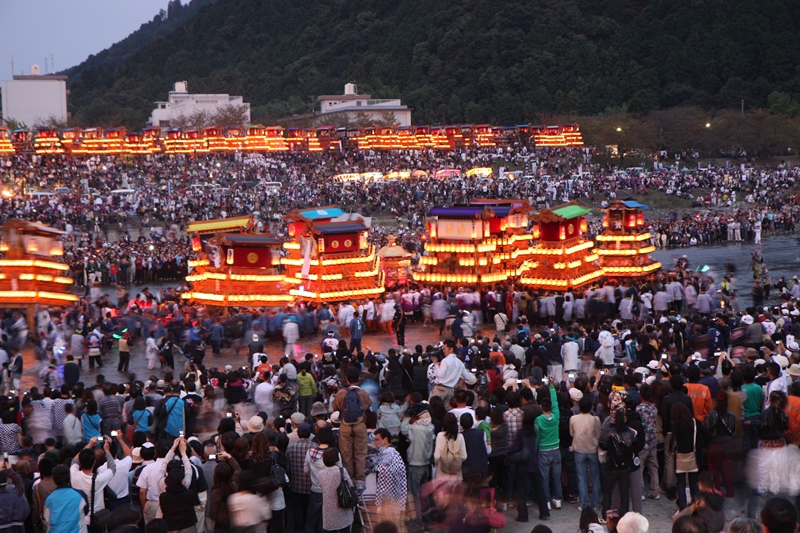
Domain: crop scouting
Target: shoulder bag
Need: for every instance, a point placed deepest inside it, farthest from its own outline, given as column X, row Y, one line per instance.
column 346, row 493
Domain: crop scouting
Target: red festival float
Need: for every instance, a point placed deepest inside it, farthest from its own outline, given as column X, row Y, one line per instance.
column 625, row 245
column 30, row 274
column 564, row 257
column 482, row 243
column 235, row 267
column 329, row 256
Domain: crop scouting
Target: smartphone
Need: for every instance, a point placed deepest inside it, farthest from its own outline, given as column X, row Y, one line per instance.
column 114, row 433
column 100, row 439
column 571, row 376
column 180, row 433
column 228, row 415
column 664, row 356
column 546, row 380
column 472, row 370
column 5, row 456
column 212, row 457
column 602, row 372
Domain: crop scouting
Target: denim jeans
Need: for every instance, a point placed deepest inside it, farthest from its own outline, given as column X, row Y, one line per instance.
column 550, row 468
column 417, row 476
column 588, row 467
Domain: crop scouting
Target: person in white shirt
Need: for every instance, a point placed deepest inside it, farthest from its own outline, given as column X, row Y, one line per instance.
column 448, row 371
column 82, row 470
column 569, row 353
column 263, row 396
column 119, row 483
column 148, row 483
column 462, row 408
column 345, row 315
column 73, row 428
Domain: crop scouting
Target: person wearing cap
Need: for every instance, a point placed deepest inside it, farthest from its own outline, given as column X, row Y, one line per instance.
column 255, row 345
column 318, row 411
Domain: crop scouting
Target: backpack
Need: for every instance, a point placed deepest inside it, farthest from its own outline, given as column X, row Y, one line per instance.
column 352, row 408
column 450, row 460
column 618, row 454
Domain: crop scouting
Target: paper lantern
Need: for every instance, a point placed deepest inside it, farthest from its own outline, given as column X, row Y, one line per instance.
column 584, row 226
column 640, row 219
column 605, row 220
column 562, row 233
column 536, row 231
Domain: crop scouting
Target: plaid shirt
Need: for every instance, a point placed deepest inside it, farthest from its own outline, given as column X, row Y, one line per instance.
column 513, row 418
column 649, row 415
column 299, row 480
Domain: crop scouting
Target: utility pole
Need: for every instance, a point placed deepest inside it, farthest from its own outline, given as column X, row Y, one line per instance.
column 52, row 64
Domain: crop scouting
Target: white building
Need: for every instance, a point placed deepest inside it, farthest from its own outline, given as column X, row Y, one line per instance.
column 183, row 104
column 31, row 99
column 354, row 107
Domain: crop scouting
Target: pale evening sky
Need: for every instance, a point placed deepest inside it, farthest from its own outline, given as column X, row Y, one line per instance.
column 31, row 30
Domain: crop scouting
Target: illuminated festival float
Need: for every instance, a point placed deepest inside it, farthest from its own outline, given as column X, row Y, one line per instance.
column 565, row 258
column 235, row 268
column 329, row 256
column 482, row 243
column 625, row 245
column 29, row 275
column 394, row 262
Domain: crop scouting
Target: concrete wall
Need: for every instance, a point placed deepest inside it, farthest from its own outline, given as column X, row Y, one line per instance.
column 29, row 101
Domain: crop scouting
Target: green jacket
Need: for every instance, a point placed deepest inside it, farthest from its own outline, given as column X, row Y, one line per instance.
column 307, row 384
column 547, row 426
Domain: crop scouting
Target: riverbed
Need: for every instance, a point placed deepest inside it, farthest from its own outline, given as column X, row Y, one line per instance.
column 781, row 255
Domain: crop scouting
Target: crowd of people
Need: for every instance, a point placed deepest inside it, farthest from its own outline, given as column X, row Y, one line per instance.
column 103, row 201
column 598, row 401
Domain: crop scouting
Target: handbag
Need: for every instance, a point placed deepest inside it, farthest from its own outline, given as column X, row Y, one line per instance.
column 346, row 493
column 277, row 472
column 132, row 429
column 687, row 462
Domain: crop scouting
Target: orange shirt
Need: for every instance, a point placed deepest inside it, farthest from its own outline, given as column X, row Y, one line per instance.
column 701, row 400
column 793, row 411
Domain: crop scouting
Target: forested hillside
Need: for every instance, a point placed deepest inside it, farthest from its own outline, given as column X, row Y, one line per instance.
column 460, row 60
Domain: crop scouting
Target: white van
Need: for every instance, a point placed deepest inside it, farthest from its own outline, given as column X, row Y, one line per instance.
column 273, row 186
column 39, row 195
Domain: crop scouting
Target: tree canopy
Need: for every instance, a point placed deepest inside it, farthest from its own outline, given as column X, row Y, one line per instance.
column 475, row 61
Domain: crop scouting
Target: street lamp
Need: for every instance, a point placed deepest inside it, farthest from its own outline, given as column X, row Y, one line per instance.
column 619, row 145
column 708, row 124
column 619, row 129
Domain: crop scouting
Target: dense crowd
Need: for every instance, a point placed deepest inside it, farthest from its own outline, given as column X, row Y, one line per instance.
column 601, row 398
column 102, row 202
